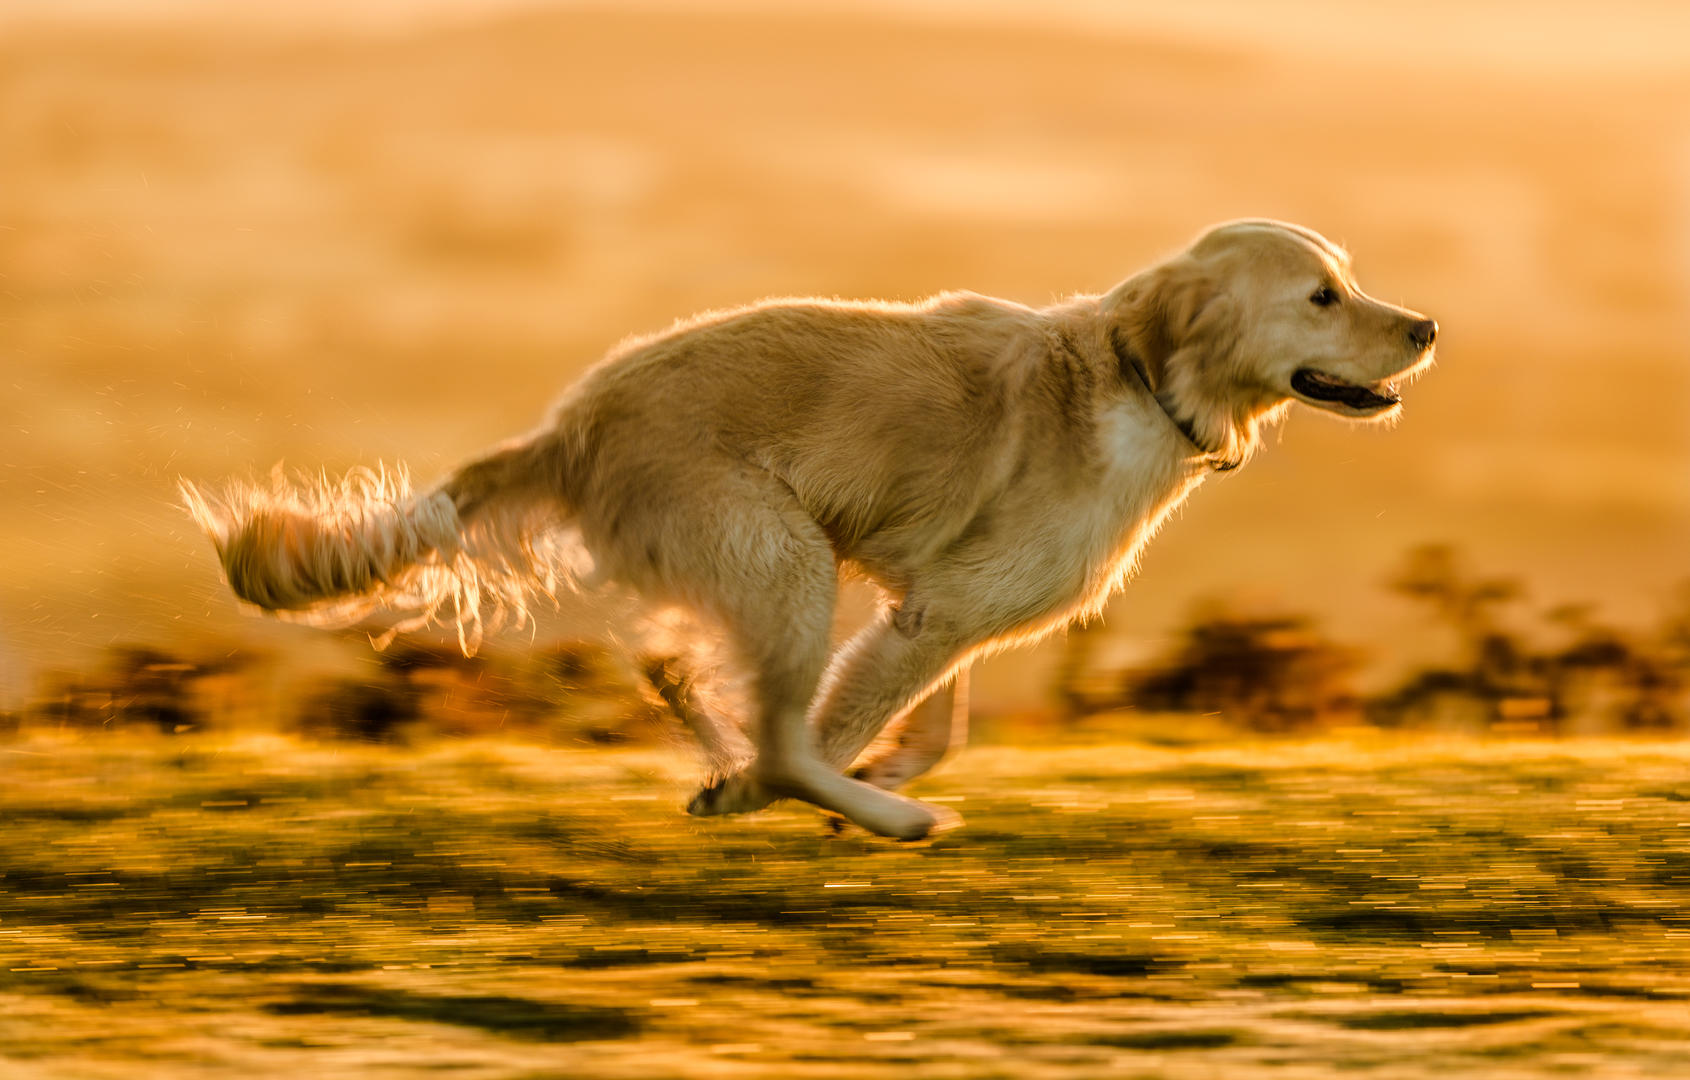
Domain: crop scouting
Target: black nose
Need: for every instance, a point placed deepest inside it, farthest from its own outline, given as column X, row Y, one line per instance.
column 1423, row 333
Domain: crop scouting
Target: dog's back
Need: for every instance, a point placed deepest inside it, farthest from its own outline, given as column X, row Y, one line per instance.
column 890, row 423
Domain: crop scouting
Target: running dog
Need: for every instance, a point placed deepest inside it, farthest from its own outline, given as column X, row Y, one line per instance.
column 994, row 469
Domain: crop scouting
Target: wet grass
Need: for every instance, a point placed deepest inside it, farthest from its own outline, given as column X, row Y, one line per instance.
column 188, row 908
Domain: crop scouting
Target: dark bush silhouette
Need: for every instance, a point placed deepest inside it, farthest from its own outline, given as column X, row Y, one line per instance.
column 360, row 710
column 574, row 691
column 1277, row 672
column 140, row 687
column 1268, row 672
column 1600, row 678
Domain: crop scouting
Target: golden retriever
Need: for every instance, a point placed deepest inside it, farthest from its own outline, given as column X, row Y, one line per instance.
column 993, row 468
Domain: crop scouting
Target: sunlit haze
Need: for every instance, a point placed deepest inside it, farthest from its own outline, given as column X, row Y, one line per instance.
column 230, row 243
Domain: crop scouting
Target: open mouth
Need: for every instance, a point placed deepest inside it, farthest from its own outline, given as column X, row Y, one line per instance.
column 1318, row 386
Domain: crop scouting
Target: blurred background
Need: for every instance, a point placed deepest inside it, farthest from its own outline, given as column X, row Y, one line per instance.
column 328, row 234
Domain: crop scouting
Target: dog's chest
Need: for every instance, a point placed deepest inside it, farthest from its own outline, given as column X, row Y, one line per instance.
column 1145, row 471
column 1143, row 457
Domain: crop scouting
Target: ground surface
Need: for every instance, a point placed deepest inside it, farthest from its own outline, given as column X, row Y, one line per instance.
column 188, row 909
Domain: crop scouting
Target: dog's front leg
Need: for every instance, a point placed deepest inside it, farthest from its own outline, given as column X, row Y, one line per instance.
column 889, row 664
column 875, row 678
column 913, row 746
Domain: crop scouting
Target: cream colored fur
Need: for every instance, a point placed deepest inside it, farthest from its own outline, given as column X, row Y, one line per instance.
column 993, row 468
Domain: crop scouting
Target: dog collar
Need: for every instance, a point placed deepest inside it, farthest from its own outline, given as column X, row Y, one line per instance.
column 1214, row 458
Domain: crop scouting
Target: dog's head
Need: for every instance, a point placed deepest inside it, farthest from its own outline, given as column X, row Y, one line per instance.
column 1258, row 314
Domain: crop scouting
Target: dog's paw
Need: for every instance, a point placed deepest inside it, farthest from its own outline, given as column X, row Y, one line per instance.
column 940, row 819
column 922, row 823
column 736, row 793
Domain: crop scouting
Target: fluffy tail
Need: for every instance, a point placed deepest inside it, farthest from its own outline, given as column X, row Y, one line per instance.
column 475, row 551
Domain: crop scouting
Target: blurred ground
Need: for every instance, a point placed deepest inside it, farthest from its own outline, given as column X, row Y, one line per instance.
column 201, row 907
column 346, row 234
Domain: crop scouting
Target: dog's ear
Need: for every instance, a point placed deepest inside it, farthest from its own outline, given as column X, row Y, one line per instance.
column 1157, row 313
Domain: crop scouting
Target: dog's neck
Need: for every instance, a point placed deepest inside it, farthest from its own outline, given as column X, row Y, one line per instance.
column 1214, row 456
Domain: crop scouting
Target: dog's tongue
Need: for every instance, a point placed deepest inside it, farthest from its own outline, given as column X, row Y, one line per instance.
column 1323, row 387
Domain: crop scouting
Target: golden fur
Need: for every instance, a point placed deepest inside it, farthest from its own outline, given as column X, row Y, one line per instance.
column 994, row 468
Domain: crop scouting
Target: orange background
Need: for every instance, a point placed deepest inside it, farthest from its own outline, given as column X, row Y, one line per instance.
column 386, row 231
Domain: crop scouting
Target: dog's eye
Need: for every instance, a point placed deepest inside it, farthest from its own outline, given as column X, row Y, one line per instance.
column 1324, row 297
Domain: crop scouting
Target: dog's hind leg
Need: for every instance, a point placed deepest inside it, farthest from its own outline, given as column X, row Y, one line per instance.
column 912, row 746
column 674, row 683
